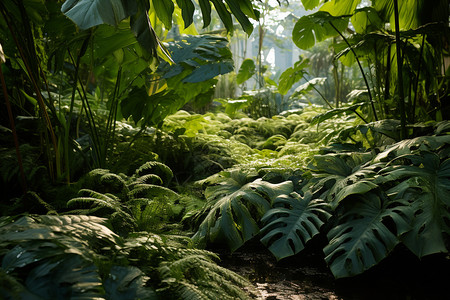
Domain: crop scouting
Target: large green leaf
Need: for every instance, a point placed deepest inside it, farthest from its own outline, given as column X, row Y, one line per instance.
column 164, row 10
column 224, row 14
column 340, row 7
column 58, row 253
column 187, row 11
column 246, row 71
column 90, row 13
column 334, row 112
column 204, row 57
column 317, row 27
column 308, row 86
column 366, row 20
column 292, row 222
column 143, row 30
column 421, row 143
column 205, row 7
column 409, row 12
column 362, row 239
column 342, row 175
column 426, row 184
column 235, row 208
column 235, row 7
column 292, row 75
column 311, row 4
column 151, row 109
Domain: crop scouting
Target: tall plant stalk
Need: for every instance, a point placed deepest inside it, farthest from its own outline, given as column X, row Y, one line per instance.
column 34, row 74
column 13, row 126
column 416, row 84
column 361, row 69
column 401, row 97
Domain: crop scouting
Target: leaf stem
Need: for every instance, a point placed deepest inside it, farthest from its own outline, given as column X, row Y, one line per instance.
column 360, row 68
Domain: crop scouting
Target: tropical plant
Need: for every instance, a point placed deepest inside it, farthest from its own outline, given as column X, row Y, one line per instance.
column 393, row 74
column 67, row 256
column 292, row 222
column 236, row 201
column 138, row 202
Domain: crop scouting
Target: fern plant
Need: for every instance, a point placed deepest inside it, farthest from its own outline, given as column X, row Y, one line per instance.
column 137, row 202
column 60, row 257
column 215, row 282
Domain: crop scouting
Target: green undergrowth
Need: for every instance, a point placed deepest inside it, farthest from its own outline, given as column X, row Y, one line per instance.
column 137, row 227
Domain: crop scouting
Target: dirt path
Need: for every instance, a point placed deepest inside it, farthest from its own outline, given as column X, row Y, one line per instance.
column 306, row 276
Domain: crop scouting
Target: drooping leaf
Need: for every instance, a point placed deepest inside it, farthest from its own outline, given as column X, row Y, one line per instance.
column 206, row 12
column 143, row 30
column 340, row 7
column 365, row 20
column 187, row 11
column 292, row 222
column 311, row 4
column 362, row 239
column 335, row 112
column 235, row 7
column 90, row 13
column 308, row 86
column 164, row 10
column 292, row 75
column 246, row 71
column 224, row 14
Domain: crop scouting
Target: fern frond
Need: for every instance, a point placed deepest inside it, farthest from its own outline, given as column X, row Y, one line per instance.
column 190, row 291
column 100, row 200
column 155, row 167
column 141, row 190
column 115, row 183
column 149, row 178
column 211, row 281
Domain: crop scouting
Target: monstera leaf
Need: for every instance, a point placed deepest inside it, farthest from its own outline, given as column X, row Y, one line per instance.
column 292, row 222
column 317, row 27
column 362, row 239
column 205, row 56
column 421, row 143
column 89, row 13
column 235, row 208
column 426, row 185
column 343, row 175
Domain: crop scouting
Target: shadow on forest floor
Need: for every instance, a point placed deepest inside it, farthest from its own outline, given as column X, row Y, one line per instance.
column 400, row 277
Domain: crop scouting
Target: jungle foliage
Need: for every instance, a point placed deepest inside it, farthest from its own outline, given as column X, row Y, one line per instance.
column 114, row 183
